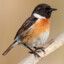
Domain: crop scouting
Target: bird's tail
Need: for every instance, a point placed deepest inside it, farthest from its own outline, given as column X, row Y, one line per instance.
column 9, row 48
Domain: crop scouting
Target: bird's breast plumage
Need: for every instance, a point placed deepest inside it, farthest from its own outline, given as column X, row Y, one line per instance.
column 38, row 33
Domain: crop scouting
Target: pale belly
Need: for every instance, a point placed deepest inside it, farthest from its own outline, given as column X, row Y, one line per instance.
column 37, row 34
column 40, row 41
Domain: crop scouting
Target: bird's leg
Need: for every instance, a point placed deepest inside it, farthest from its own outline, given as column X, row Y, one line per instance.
column 37, row 48
column 31, row 51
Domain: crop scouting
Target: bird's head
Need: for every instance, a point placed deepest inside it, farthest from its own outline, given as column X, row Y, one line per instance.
column 43, row 10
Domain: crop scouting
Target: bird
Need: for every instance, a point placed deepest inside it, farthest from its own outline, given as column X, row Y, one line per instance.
column 35, row 31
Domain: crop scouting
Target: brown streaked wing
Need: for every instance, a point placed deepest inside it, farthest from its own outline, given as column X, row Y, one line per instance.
column 30, row 21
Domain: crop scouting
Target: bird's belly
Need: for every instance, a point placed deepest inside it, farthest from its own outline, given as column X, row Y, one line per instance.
column 40, row 41
column 38, row 34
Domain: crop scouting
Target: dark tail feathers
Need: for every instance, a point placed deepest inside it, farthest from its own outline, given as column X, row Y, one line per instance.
column 9, row 48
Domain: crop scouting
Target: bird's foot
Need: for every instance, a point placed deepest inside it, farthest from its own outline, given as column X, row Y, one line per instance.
column 35, row 53
column 39, row 48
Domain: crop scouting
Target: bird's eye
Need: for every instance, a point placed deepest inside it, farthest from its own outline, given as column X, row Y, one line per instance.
column 47, row 8
column 39, row 8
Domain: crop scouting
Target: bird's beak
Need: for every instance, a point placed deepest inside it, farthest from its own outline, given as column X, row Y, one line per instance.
column 53, row 9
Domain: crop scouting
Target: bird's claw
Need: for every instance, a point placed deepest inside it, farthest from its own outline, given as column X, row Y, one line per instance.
column 42, row 48
column 35, row 53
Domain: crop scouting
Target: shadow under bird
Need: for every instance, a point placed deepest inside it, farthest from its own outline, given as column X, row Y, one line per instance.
column 35, row 30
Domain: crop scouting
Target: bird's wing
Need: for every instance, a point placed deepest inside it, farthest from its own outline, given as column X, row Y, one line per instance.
column 29, row 22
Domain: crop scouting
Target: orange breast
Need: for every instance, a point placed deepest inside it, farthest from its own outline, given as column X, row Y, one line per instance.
column 40, row 27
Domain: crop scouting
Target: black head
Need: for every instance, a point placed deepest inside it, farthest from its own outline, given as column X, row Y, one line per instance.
column 44, row 10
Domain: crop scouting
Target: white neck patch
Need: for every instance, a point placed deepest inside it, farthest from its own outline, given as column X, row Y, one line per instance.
column 38, row 16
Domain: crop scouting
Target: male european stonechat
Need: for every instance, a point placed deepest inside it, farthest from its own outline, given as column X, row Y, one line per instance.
column 35, row 30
